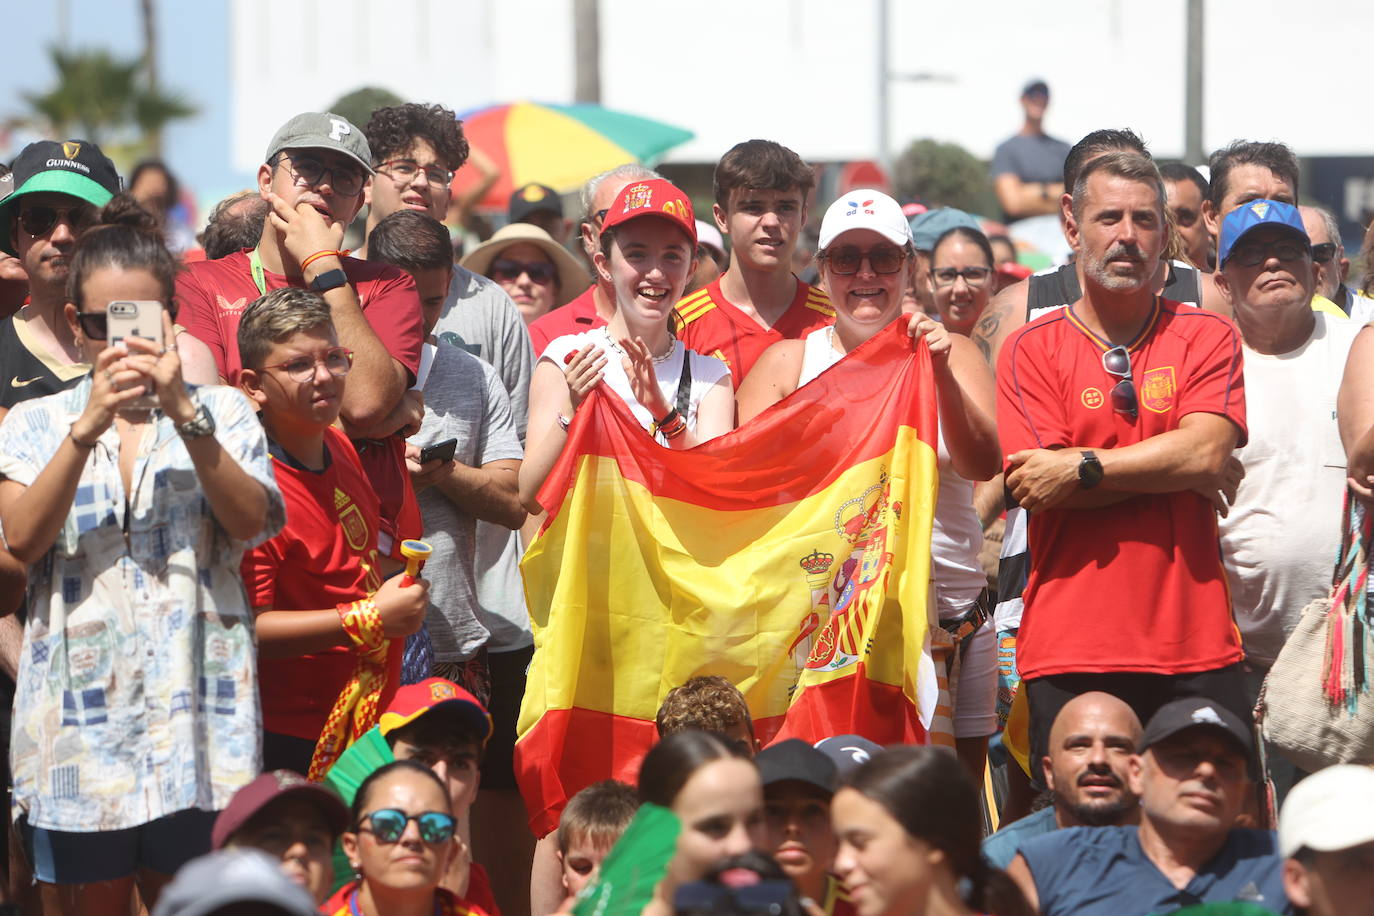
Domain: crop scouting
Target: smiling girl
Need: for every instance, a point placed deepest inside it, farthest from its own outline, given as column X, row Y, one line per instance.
column 648, row 245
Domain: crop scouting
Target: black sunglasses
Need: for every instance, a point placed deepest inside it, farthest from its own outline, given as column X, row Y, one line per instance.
column 94, row 325
column 40, row 220
column 1323, row 252
column 506, row 270
column 1117, row 362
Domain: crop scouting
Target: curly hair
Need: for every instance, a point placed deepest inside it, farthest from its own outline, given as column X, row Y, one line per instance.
column 392, row 131
column 708, row 702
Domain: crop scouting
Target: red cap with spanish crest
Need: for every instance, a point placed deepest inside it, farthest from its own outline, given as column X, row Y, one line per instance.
column 653, row 197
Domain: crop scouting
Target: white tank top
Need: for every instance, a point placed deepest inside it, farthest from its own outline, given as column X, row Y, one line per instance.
column 956, row 539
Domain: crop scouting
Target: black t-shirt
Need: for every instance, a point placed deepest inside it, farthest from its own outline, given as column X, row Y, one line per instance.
column 26, row 371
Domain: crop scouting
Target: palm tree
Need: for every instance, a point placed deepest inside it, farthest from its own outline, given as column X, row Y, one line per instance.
column 105, row 99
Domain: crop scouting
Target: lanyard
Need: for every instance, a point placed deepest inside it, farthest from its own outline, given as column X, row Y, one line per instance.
column 255, row 265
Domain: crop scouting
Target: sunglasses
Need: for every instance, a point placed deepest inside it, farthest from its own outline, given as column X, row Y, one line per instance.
column 94, row 325
column 1117, row 362
column 973, row 276
column 1323, row 252
column 346, row 180
column 506, row 270
column 1254, row 254
column 388, row 824
column 40, row 220
column 337, row 361
column 847, row 261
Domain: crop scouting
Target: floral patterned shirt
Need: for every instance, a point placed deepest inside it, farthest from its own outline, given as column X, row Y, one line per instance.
column 137, row 694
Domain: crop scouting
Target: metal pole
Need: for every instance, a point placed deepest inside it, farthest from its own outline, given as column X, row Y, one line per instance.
column 884, row 156
column 586, row 51
column 1192, row 129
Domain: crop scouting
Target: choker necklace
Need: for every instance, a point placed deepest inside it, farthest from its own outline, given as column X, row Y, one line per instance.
column 672, row 347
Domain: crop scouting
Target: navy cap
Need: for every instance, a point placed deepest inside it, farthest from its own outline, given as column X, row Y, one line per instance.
column 849, row 751
column 1250, row 216
column 533, row 198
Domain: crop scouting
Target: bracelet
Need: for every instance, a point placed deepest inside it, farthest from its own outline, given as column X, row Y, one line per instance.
column 320, row 254
column 672, row 426
column 666, row 420
column 363, row 623
column 78, row 443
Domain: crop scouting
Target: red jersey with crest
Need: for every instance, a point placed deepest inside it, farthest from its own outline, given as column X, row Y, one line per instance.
column 212, row 296
column 713, row 326
column 1136, row 586
column 325, row 556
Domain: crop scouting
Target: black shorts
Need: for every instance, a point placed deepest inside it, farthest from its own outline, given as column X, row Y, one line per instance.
column 508, row 670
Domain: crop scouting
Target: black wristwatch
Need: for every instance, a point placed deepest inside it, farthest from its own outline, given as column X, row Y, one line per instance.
column 330, row 279
column 1089, row 471
column 202, row 424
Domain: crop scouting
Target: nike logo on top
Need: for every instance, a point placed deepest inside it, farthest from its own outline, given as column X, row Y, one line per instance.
column 16, row 383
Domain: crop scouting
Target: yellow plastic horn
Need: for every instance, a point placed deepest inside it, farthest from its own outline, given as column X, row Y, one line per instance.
column 416, row 553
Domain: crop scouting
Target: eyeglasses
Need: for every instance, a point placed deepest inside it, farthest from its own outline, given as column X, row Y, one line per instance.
column 847, row 261
column 973, row 276
column 388, row 825
column 1117, row 362
column 403, row 172
column 345, row 179
column 599, row 217
column 337, row 361
column 506, row 270
column 1256, row 253
column 1323, row 252
column 39, row 220
column 94, row 325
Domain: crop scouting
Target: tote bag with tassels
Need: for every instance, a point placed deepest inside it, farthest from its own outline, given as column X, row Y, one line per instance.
column 1316, row 706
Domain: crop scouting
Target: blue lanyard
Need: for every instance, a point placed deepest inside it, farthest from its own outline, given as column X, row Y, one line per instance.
column 353, row 902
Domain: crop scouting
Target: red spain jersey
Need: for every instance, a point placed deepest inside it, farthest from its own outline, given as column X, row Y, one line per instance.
column 713, row 326
column 325, row 556
column 1136, row 586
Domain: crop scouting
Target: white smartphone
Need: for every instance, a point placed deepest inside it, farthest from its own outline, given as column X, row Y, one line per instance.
column 136, row 318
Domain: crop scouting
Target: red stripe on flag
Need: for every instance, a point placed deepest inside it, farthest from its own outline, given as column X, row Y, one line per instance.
column 796, row 448
column 853, row 705
column 568, row 750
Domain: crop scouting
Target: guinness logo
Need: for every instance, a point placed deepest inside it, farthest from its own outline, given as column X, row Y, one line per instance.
column 71, row 149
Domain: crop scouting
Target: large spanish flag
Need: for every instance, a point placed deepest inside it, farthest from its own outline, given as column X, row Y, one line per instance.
column 791, row 556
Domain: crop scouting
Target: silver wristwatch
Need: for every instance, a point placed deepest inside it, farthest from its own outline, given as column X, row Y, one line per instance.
column 202, row 424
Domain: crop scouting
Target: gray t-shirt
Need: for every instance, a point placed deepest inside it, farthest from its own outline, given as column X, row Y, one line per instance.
column 479, row 317
column 1038, row 158
column 464, row 399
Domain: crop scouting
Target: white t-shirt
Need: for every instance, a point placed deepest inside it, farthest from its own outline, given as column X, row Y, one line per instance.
column 1280, row 539
column 956, row 538
column 706, row 371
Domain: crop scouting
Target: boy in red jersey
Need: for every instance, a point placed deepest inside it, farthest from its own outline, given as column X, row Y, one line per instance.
column 1118, row 416
column 761, row 189
column 316, row 588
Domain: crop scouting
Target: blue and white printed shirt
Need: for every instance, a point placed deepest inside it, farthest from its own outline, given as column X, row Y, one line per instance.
column 138, row 692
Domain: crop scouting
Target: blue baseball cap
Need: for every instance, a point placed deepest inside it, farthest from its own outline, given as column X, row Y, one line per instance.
column 927, row 227
column 1249, row 216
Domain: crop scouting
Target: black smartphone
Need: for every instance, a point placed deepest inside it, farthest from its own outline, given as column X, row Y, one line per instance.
column 441, row 451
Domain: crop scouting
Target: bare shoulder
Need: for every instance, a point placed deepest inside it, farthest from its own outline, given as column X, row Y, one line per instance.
column 773, row 377
column 1004, row 315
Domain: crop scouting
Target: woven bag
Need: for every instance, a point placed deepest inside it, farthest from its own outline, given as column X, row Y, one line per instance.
column 1316, row 706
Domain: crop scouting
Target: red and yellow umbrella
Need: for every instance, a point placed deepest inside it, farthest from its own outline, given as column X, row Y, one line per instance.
column 558, row 145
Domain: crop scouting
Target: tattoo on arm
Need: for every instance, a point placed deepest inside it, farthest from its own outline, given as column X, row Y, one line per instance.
column 986, row 330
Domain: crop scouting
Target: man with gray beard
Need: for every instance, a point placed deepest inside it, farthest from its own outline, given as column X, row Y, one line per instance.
column 1118, row 416
column 1087, row 770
